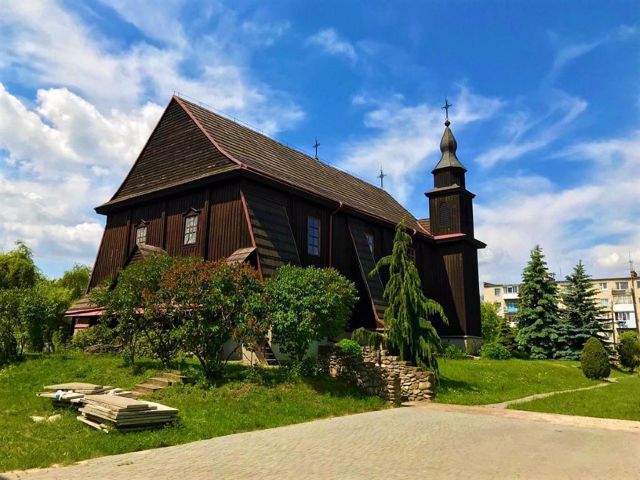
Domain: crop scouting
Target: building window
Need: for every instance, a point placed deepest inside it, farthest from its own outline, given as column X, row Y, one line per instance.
column 638, row 284
column 313, row 236
column 370, row 241
column 603, row 285
column 622, row 319
column 411, row 253
column 498, row 306
column 622, row 285
column 604, row 302
column 141, row 235
column 190, row 229
column 497, row 291
column 445, row 215
column 512, row 289
column 512, row 306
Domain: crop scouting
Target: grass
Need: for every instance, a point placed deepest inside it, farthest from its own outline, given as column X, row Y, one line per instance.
column 234, row 406
column 482, row 382
column 620, row 400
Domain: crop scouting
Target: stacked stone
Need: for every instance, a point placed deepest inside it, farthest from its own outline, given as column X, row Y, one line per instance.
column 382, row 374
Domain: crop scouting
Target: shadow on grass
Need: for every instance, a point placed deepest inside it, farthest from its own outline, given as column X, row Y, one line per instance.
column 456, row 385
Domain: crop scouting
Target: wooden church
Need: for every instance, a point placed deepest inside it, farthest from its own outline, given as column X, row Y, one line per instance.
column 206, row 186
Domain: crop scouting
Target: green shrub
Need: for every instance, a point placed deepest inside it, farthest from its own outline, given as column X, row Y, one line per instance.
column 349, row 347
column 308, row 304
column 305, row 368
column 629, row 350
column 8, row 344
column 453, row 352
column 99, row 334
column 495, row 351
column 594, row 360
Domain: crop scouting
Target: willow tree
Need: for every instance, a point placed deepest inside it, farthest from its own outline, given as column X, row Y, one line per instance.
column 409, row 330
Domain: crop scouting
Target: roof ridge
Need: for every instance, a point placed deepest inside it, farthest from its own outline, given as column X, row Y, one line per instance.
column 279, row 142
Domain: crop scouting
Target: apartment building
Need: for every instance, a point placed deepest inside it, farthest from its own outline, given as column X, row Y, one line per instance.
column 618, row 298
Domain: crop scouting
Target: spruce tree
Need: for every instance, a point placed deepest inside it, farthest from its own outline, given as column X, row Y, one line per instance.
column 538, row 317
column 580, row 315
column 408, row 327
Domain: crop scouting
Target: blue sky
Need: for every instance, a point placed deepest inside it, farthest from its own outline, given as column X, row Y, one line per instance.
column 546, row 100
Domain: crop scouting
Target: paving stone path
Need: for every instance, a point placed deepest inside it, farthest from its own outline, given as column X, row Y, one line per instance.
column 548, row 394
column 433, row 441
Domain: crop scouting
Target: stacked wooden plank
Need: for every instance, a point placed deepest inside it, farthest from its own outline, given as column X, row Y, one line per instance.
column 74, row 392
column 105, row 412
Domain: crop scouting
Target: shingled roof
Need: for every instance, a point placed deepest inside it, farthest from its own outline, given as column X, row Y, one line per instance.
column 253, row 151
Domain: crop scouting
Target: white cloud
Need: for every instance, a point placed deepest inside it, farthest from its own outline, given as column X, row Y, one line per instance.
column 592, row 221
column 525, row 134
column 330, row 42
column 407, row 137
column 48, row 183
column 48, row 45
column 572, row 51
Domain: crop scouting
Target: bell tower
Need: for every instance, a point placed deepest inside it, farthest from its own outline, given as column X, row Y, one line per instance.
column 451, row 224
column 450, row 203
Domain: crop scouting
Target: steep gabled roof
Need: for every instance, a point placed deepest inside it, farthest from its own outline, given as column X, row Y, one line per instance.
column 244, row 148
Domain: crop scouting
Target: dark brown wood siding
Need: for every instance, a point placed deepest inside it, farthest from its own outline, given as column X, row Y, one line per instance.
column 112, row 251
column 177, row 207
column 228, row 228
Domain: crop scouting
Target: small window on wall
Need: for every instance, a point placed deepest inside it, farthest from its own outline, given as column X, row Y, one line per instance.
column 411, row 253
column 603, row 285
column 141, row 235
column 445, row 215
column 497, row 291
column 190, row 229
column 622, row 285
column 370, row 241
column 313, row 236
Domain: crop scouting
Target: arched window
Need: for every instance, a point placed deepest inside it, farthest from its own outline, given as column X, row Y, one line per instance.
column 445, row 215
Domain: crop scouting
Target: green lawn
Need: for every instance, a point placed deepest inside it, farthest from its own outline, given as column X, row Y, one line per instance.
column 235, row 406
column 620, row 400
column 481, row 382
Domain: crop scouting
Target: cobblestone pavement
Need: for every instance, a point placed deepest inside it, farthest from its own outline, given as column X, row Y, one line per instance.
column 435, row 441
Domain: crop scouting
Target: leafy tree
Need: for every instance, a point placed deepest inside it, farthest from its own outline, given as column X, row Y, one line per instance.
column 308, row 304
column 629, row 350
column 214, row 303
column 408, row 326
column 123, row 302
column 10, row 300
column 41, row 311
column 490, row 321
column 17, row 269
column 8, row 343
column 580, row 315
column 538, row 315
column 75, row 280
column 594, row 360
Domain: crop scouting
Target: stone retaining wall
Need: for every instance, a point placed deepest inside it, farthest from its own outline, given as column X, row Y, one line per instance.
column 381, row 374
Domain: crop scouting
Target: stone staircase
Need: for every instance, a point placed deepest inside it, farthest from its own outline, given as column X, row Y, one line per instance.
column 158, row 383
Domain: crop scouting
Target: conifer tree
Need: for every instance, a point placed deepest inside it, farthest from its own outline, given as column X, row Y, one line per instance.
column 538, row 316
column 580, row 315
column 408, row 327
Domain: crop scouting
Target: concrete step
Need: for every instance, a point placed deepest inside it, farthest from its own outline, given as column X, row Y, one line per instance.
column 162, row 381
column 147, row 388
column 174, row 377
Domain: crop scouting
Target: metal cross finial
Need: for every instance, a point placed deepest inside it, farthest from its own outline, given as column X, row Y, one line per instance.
column 446, row 107
column 381, row 177
column 316, row 145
